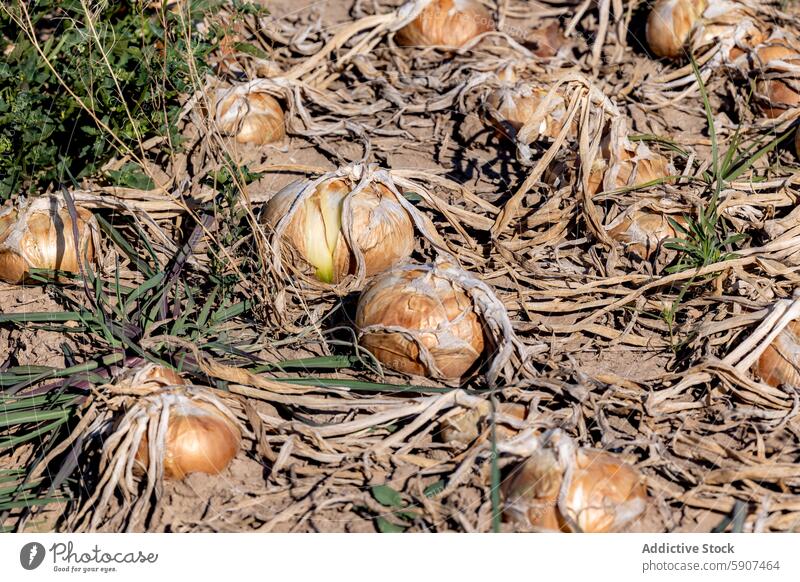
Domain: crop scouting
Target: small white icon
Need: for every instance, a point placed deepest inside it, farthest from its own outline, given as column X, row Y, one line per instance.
column 32, row 555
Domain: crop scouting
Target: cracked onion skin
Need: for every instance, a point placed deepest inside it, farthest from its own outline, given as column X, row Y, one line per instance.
column 382, row 228
column 39, row 234
column 251, row 118
column 779, row 365
column 670, row 23
column 605, row 494
column 409, row 308
column 446, row 23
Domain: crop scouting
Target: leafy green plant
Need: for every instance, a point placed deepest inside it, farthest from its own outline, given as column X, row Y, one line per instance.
column 704, row 240
column 81, row 83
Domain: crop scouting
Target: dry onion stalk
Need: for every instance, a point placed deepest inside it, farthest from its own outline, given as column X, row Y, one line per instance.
column 249, row 115
column 566, row 488
column 345, row 225
column 39, row 233
column 444, row 23
column 439, row 321
column 166, row 429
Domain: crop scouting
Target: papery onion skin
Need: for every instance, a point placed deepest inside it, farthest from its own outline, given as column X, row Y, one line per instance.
column 199, row 439
column 252, row 118
column 437, row 312
column 670, row 23
column 38, row 234
column 446, row 23
column 518, row 105
column 643, row 231
column 779, row 365
column 383, row 229
column 466, row 426
column 605, row 494
column 630, row 168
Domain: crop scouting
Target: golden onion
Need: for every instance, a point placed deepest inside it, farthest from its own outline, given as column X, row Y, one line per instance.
column 199, row 439
column 528, row 111
column 39, row 234
column 777, row 64
column 416, row 320
column 323, row 221
column 201, row 435
column 446, row 23
column 604, row 494
column 780, row 362
column 670, row 23
column 249, row 115
column 642, row 231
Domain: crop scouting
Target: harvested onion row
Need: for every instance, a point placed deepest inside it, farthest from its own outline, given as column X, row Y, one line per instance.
column 168, row 429
column 439, row 321
column 39, row 233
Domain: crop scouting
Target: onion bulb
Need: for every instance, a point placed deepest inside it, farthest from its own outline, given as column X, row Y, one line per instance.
column 336, row 222
column 527, row 111
column 155, row 426
column 200, row 435
column 777, row 64
column 200, row 438
column 467, row 425
column 780, row 362
column 39, row 234
column 599, row 492
column 643, row 231
column 670, row 23
column 249, row 115
column 434, row 320
column 445, row 23
column 624, row 164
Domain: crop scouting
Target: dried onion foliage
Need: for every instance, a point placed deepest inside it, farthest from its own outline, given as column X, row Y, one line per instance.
column 438, row 320
column 40, row 233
